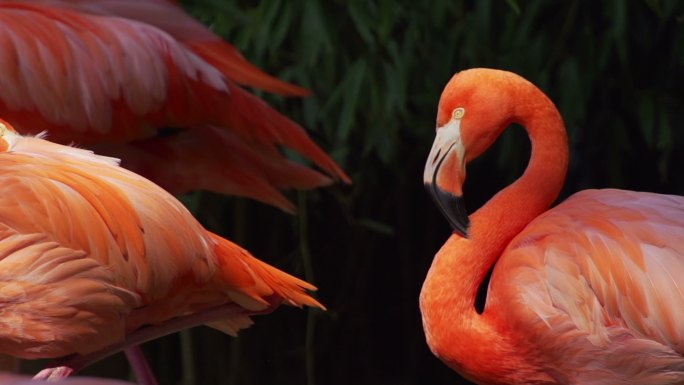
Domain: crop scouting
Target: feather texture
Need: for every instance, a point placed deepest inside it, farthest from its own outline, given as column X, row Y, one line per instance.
column 597, row 278
column 90, row 252
column 117, row 72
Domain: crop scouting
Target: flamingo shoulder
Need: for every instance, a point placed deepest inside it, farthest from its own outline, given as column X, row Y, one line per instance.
column 597, row 283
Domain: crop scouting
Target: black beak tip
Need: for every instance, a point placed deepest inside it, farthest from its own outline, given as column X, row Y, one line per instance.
column 452, row 207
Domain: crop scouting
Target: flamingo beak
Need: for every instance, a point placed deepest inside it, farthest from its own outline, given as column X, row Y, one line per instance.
column 444, row 175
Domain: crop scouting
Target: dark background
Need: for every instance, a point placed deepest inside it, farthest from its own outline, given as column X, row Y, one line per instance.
column 376, row 69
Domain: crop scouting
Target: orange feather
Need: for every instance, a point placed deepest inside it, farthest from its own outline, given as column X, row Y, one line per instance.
column 587, row 292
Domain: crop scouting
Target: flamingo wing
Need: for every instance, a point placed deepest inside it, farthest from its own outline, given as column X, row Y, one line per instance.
column 597, row 284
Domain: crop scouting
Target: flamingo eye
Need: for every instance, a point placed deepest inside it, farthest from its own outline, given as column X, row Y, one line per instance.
column 458, row 113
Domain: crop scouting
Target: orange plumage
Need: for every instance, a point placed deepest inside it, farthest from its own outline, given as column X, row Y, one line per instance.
column 116, row 72
column 587, row 292
column 90, row 253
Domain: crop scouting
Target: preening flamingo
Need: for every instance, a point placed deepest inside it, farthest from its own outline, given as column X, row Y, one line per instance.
column 588, row 292
column 115, row 74
column 95, row 258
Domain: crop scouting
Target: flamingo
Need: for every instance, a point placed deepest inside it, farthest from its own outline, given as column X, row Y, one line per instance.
column 95, row 258
column 114, row 75
column 587, row 292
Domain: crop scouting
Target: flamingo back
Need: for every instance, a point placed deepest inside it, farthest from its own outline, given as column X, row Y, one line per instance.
column 595, row 284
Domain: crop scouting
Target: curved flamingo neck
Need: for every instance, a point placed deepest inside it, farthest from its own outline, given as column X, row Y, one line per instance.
column 478, row 346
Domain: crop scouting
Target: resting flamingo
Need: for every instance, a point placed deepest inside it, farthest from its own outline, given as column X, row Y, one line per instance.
column 95, row 258
column 588, row 292
column 145, row 82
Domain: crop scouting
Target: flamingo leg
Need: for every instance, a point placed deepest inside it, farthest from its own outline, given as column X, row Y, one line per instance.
column 64, row 367
column 141, row 368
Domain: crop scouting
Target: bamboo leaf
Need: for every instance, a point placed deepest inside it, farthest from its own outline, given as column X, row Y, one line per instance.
column 375, row 226
column 514, row 6
column 358, row 13
column 353, row 81
column 314, row 36
column 647, row 119
column 282, row 25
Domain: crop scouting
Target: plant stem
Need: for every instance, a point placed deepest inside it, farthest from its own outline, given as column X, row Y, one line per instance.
column 239, row 235
column 309, row 277
column 187, row 358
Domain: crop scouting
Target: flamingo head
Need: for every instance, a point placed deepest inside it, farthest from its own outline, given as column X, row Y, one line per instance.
column 476, row 105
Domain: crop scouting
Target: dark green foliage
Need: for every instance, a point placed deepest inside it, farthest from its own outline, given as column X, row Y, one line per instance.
column 376, row 68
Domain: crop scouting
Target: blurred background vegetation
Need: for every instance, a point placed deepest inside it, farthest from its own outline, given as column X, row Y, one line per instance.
column 376, row 68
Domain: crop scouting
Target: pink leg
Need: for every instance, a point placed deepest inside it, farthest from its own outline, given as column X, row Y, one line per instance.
column 62, row 368
column 141, row 368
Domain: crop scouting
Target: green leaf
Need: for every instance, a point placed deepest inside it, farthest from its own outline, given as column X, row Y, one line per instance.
column 514, row 5
column 647, row 119
column 353, row 82
column 359, row 14
column 314, row 36
column 375, row 226
column 283, row 24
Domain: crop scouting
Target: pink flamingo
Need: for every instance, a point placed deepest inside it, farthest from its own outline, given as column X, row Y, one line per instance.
column 588, row 292
column 95, row 259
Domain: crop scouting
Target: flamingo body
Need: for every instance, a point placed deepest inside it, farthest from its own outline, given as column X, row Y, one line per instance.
column 114, row 73
column 587, row 292
column 91, row 252
column 595, row 281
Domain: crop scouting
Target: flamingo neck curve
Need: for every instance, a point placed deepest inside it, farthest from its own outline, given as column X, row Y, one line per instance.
column 479, row 346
